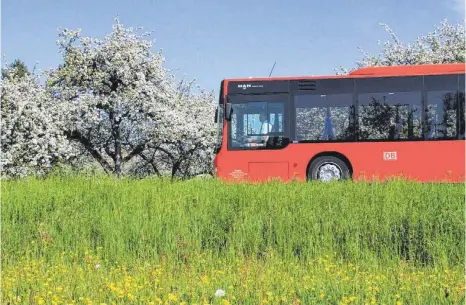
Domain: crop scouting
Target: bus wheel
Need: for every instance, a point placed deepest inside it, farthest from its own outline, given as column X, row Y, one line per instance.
column 328, row 168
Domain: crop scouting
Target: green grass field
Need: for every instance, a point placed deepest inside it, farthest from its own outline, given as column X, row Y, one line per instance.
column 97, row 240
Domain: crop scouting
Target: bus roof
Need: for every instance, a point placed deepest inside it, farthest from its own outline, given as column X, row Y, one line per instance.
column 411, row 70
column 429, row 69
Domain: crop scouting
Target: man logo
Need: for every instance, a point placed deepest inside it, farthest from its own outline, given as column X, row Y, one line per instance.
column 389, row 155
column 244, row 86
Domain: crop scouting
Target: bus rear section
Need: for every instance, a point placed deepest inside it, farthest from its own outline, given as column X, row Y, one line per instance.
column 408, row 122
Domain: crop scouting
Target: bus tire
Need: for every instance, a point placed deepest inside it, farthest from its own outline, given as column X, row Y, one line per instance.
column 327, row 168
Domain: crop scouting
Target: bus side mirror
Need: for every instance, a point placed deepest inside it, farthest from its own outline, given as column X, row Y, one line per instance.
column 228, row 112
column 216, row 116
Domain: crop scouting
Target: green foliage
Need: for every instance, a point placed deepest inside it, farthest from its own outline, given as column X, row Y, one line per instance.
column 17, row 69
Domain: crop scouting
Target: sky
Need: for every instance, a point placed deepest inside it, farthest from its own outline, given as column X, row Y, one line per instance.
column 212, row 40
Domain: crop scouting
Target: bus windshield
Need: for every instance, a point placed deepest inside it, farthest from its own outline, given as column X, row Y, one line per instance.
column 254, row 123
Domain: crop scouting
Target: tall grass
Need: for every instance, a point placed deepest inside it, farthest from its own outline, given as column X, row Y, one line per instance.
column 138, row 220
column 93, row 240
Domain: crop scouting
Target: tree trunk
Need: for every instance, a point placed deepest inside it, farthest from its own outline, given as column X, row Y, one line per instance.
column 175, row 169
column 118, row 158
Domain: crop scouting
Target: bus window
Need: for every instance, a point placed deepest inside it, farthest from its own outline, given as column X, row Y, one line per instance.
column 390, row 116
column 323, row 117
column 442, row 107
column 461, row 109
column 441, row 114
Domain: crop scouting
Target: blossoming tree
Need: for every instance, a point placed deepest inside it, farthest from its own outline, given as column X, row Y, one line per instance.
column 115, row 94
column 446, row 44
column 188, row 150
column 31, row 137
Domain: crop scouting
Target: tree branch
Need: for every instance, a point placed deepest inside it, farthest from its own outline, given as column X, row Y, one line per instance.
column 136, row 151
column 151, row 161
column 77, row 136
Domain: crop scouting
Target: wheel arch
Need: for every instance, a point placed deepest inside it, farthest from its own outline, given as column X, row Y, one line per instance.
column 341, row 156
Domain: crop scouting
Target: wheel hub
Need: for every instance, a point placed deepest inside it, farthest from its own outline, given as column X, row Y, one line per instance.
column 328, row 172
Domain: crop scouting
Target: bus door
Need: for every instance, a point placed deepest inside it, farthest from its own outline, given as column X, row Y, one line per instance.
column 258, row 131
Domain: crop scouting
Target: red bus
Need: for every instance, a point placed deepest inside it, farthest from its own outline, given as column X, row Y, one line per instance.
column 374, row 123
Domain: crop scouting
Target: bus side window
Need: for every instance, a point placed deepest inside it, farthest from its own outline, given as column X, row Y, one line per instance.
column 461, row 108
column 323, row 117
column 441, row 114
column 441, row 119
column 390, row 108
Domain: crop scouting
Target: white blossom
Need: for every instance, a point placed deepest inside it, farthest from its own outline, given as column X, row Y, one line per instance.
column 31, row 137
column 116, row 95
column 123, row 107
column 446, row 44
column 187, row 148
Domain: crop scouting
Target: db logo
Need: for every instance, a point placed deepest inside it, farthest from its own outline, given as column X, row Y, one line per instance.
column 389, row 155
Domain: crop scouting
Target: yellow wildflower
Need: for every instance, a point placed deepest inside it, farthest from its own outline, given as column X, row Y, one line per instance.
column 172, row 297
column 205, row 279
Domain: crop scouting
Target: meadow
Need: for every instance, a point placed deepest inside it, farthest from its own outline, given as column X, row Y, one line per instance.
column 99, row 240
